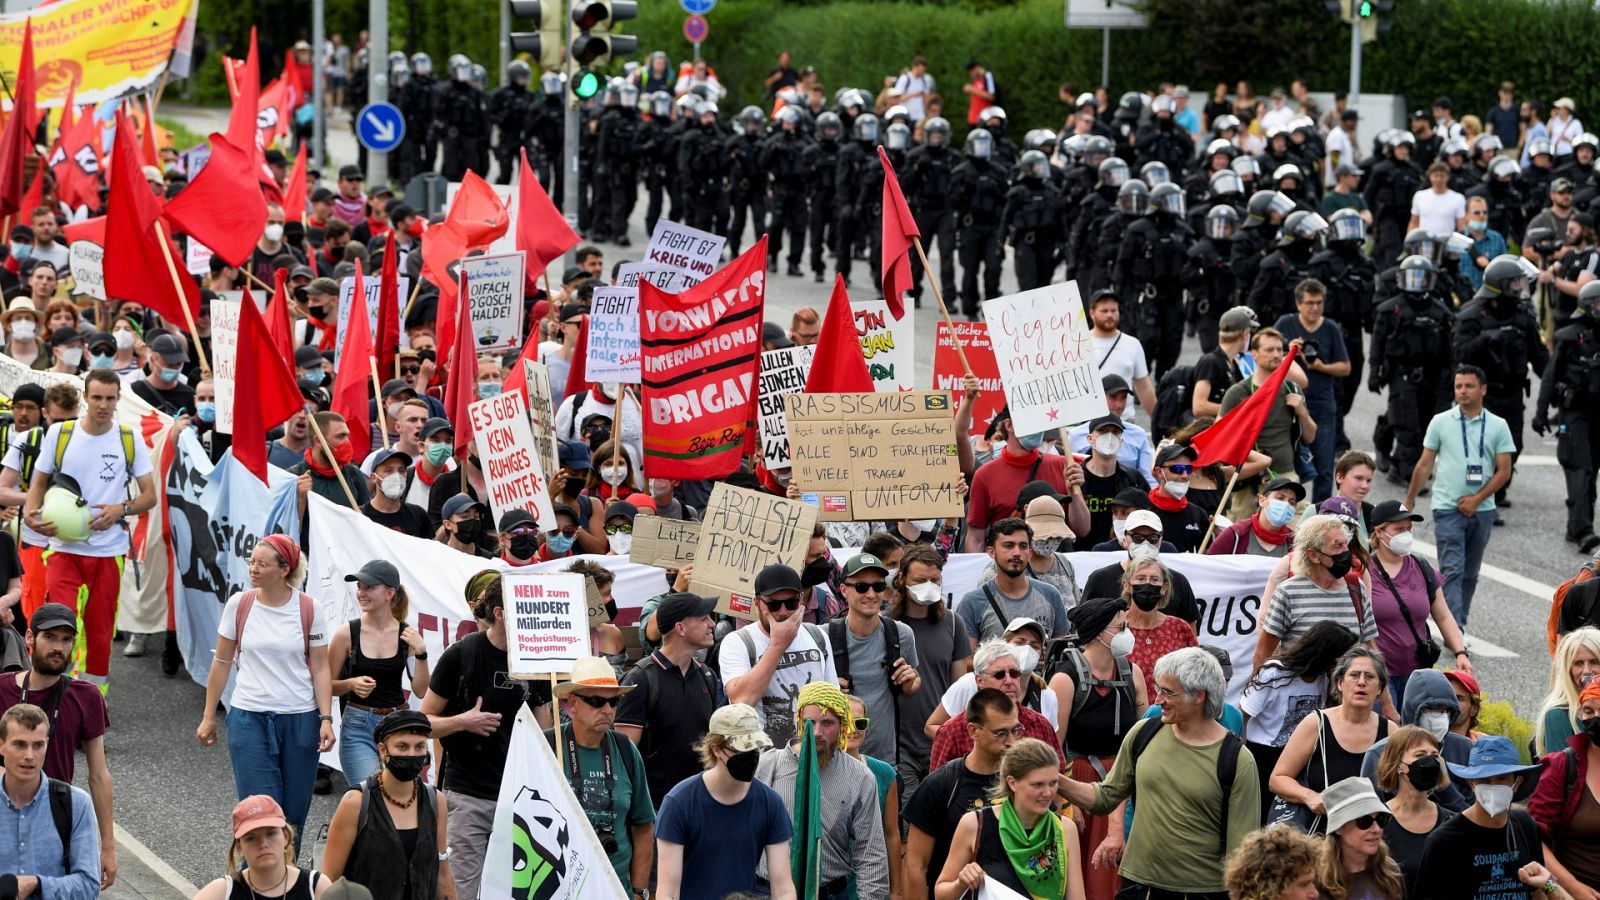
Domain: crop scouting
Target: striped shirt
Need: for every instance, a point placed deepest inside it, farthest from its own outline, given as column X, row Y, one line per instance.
column 1299, row 603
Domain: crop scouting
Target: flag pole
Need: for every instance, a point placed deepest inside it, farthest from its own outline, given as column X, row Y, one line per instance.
column 383, row 420
column 177, row 285
column 943, row 310
column 407, row 313
column 337, row 469
column 555, row 720
column 1221, row 505
column 259, row 283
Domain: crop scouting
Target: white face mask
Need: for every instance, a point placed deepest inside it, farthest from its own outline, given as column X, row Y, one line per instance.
column 24, row 329
column 273, row 233
column 71, row 356
column 1494, row 798
column 1435, row 723
column 1402, row 542
column 1027, row 657
column 394, row 412
column 1107, row 444
column 1122, row 644
column 393, row 485
column 1119, row 527
column 613, row 475
column 124, row 339
column 1140, row 551
column 924, row 524
column 620, row 543
column 926, row 593
column 1176, row 489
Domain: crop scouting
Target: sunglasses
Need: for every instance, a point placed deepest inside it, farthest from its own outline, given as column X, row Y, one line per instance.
column 1367, row 821
column 619, row 529
column 410, row 370
column 861, row 724
column 1144, row 538
column 775, row 605
column 869, row 587
column 598, row 702
column 1180, row 469
column 567, row 531
column 1004, row 674
column 522, row 530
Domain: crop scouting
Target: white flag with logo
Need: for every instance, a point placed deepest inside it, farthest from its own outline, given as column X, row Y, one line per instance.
column 542, row 845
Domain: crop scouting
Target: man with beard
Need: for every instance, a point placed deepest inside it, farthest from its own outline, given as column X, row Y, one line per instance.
column 77, row 712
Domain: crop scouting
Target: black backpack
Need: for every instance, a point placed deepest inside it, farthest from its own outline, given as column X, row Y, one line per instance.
column 1064, row 655
column 839, row 643
column 1227, row 768
column 61, row 813
column 1174, row 401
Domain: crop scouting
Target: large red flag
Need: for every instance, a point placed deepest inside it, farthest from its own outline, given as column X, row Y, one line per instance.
column 388, row 340
column 294, row 195
column 244, row 81
column 899, row 228
column 271, row 395
column 136, row 268
column 1231, row 438
column 278, row 321
column 476, row 219
column 16, row 140
column 76, row 162
column 837, row 365
column 461, row 386
column 517, row 381
column 542, row 232
column 352, row 377
column 221, row 207
column 33, row 197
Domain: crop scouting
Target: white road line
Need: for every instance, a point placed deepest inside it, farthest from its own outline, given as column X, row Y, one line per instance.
column 156, row 864
column 1527, row 460
column 1479, row 646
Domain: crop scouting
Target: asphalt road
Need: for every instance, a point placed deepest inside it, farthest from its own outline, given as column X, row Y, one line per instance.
column 175, row 796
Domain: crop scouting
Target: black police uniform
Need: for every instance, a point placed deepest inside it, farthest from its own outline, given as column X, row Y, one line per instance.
column 1031, row 222
column 1208, row 274
column 546, row 126
column 1081, row 243
column 783, row 155
column 1388, row 194
column 928, row 179
column 1410, row 353
column 417, row 101
column 747, row 187
column 1149, row 278
column 1272, row 294
column 1348, row 275
column 857, row 224
column 655, row 163
column 461, row 115
column 1571, row 383
column 978, row 192
column 1499, row 335
column 511, row 110
column 617, row 149
column 820, row 162
column 701, row 161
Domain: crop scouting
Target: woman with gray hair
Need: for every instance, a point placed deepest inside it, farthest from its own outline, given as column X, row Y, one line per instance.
column 1323, row 587
column 1147, row 586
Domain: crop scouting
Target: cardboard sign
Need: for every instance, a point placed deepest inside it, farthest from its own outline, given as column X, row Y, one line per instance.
column 547, row 622
column 494, row 300
column 783, row 372
column 947, row 371
column 871, row 457
column 225, row 356
column 541, row 412
column 887, row 345
column 742, row 533
column 372, row 284
column 512, row 469
column 690, row 250
column 673, row 281
column 196, row 257
column 86, row 260
column 668, row 543
column 1047, row 363
column 614, row 336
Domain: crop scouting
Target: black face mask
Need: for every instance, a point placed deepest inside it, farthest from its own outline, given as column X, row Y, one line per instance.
column 1591, row 727
column 611, row 610
column 469, row 530
column 1340, row 566
column 1147, row 596
column 476, row 462
column 597, row 437
column 1424, row 773
column 816, row 572
column 742, row 766
column 573, row 486
column 524, row 546
column 406, row 768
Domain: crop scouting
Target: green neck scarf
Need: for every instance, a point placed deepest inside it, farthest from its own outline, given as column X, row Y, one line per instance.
column 1039, row 857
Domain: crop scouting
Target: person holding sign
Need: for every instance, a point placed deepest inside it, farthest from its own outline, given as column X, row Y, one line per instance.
column 997, row 482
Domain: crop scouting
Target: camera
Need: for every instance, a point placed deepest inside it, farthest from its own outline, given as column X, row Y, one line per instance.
column 1545, row 241
column 1310, row 352
column 607, row 836
column 8, row 887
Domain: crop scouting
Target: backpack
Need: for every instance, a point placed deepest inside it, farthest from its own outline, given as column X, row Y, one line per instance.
column 1227, row 768
column 1553, row 625
column 70, row 426
column 1064, row 655
column 652, row 693
column 61, row 813
column 839, row 641
column 1174, row 403
column 750, row 644
column 247, row 602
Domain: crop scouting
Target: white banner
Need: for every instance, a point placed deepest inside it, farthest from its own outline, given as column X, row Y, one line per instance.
column 547, row 622
column 614, row 336
column 782, row 372
column 225, row 358
column 512, row 467
column 1047, row 363
column 887, row 344
column 542, row 413
column 372, row 284
column 542, row 844
column 690, row 250
column 494, row 300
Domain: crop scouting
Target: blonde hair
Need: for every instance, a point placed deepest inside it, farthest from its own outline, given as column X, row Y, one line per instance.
column 1021, row 758
column 236, row 871
column 707, row 747
column 1401, row 742
column 400, row 605
column 1333, row 879
column 1269, row 862
column 1563, row 692
column 1139, row 564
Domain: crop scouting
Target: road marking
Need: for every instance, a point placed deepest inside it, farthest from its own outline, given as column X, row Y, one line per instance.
column 156, row 864
column 1526, row 460
column 1479, row 646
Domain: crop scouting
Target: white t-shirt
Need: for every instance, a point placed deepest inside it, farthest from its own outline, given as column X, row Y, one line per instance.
column 99, row 463
column 1438, row 213
column 1121, row 354
column 958, row 695
column 272, row 674
column 56, row 255
column 1275, row 711
column 1342, row 151
column 908, row 83
column 806, row 661
column 13, row 461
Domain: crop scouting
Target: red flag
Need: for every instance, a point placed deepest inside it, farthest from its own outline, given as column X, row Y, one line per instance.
column 16, row 140
column 898, row 230
column 578, row 375
column 136, row 267
column 272, row 395
column 76, row 162
column 351, row 378
column 221, row 207
column 147, row 135
column 1231, row 438
column 838, row 365
column 33, row 198
column 517, row 381
column 275, row 110
column 542, row 232
column 294, row 196
column 388, row 306
column 476, row 219
column 278, row 316
column 244, row 82
column 68, row 110
column 460, row 388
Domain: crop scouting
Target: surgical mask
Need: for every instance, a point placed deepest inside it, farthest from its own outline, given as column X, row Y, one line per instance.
column 742, row 766
column 1279, row 513
column 124, row 339
column 1340, row 566
column 406, row 768
column 273, row 232
column 1402, row 543
column 1424, row 773
column 1436, row 723
column 1175, row 489
column 924, row 524
column 393, row 485
column 1045, row 546
column 1477, row 224
column 620, row 543
column 558, row 543
column 469, row 530
column 1494, row 798
column 487, row 389
column 1118, row 528
column 99, row 361
column 71, row 356
column 205, row 411
column 1027, row 657
column 613, row 475
column 24, row 329
column 438, row 454
column 314, row 376
column 21, row 252
column 170, row 376
column 1122, row 644
column 1107, row 444
column 393, row 410
column 1147, row 596
column 1031, row 441
column 1140, row 551
column 929, row 592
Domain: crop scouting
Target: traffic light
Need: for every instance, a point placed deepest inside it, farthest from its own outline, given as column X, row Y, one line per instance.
column 545, row 42
column 1365, row 9
column 595, row 45
column 1375, row 17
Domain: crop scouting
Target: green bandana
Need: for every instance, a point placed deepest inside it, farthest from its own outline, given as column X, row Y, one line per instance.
column 1039, row 857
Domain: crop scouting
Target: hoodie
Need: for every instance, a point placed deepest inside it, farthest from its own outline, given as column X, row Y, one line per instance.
column 1427, row 688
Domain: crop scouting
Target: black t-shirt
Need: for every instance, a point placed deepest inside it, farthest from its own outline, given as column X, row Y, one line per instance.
column 11, row 567
column 1406, row 847
column 1098, row 493
column 1184, row 527
column 947, row 794
column 173, row 400
column 470, row 669
column 1107, row 582
column 787, row 77
column 1465, row 861
column 1221, row 371
column 409, row 519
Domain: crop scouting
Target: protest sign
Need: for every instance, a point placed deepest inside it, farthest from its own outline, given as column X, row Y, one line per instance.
column 742, row 533
column 673, row 281
column 225, row 357
column 196, row 257
column 511, row 466
column 886, row 344
column 372, row 284
column 668, row 543
column 689, row 250
column 192, row 160
column 947, row 370
column 1047, row 364
column 871, row 457
column 98, row 50
column 701, row 351
column 783, row 372
column 614, row 336
column 541, row 413
column 494, row 300
column 547, row 622
column 86, row 260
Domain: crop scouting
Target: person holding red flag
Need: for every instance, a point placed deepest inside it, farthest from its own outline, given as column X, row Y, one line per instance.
column 1275, row 407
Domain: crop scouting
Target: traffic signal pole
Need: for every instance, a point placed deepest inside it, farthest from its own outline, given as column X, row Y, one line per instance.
column 569, row 143
column 1355, row 60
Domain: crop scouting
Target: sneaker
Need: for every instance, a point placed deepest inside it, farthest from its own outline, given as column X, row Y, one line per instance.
column 1590, row 544
column 1498, row 521
column 135, row 645
column 794, row 271
column 622, row 241
column 324, row 783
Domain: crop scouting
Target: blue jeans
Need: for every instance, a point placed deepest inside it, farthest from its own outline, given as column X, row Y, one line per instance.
column 1461, row 540
column 358, row 750
column 1326, row 414
column 276, row 754
column 1397, row 688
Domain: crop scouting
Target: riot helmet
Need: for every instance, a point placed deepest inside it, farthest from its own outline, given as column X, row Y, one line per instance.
column 1510, row 276
column 1588, row 300
column 866, row 128
column 1304, row 225
column 829, row 126
column 460, row 67
column 1539, row 147
column 1075, row 149
column 1222, row 221
column 1034, row 164
column 994, row 119
column 1226, row 183
column 661, row 104
column 1099, row 146
column 936, row 132
column 1246, row 165
column 788, row 119
column 1168, row 198
column 897, row 136
column 422, row 63
column 1225, row 123
column 1347, row 226
column 1419, row 242
column 1486, row 143
column 518, row 73
column 896, row 112
column 1163, row 104
column 1155, row 172
column 1505, row 169
column 550, row 84
column 629, row 93
column 1133, row 198
column 751, row 120
column 979, row 144
column 1416, row 275
column 1113, row 173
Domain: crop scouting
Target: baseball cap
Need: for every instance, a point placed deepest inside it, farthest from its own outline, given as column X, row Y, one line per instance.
column 573, row 273
column 385, row 454
column 680, row 605
column 1345, row 169
column 1033, row 490
column 777, row 577
column 102, row 339
column 574, row 455
column 571, row 311
column 1392, row 511
column 321, row 195
column 307, row 357
column 1349, row 114
column 1170, row 452
column 1131, row 496
column 740, row 728
column 302, row 272
column 1467, row 682
column 773, row 333
column 1144, row 518
column 994, row 424
column 1021, row 622
column 376, row 571
column 1112, row 384
column 169, row 348
column 257, row 811
column 1342, row 507
column 276, row 158
column 1282, row 484
column 1047, row 519
column 351, row 173
column 53, row 615
column 1239, row 318
column 325, row 286
column 396, row 386
column 459, row 504
column 1560, row 185
column 516, row 518
column 861, row 562
column 1107, row 421
column 65, row 336
column 435, row 425
column 621, row 508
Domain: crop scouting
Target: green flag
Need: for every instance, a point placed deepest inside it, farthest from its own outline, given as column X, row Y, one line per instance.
column 805, row 848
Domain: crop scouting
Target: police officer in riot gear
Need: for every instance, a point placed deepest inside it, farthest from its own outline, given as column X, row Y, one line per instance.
column 1411, row 354
column 1150, row 274
column 978, row 194
column 1417, row 242
column 1032, row 221
column 1208, row 274
column 747, row 177
column 1388, row 193
column 821, row 166
column 1249, row 172
column 1497, row 333
column 461, row 118
column 701, row 160
column 618, row 154
column 1272, row 294
column 511, row 111
column 1133, row 204
column 655, row 156
column 1083, row 245
column 1197, row 185
column 418, row 101
column 1499, row 189
column 1349, row 276
column 1571, row 383
column 545, row 126
column 1080, row 179
column 685, row 124
column 856, row 160
column 1264, row 214
column 1005, row 149
column 783, row 156
column 1221, row 188
column 1163, row 141
column 928, row 179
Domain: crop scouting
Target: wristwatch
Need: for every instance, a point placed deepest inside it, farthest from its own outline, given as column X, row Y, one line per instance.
column 642, row 893
column 127, row 508
column 1463, row 652
column 420, row 657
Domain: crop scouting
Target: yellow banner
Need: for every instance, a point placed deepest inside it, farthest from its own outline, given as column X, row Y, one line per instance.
column 108, row 48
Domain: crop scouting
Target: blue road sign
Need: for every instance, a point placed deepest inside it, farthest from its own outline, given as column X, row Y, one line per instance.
column 697, row 7
column 380, row 127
